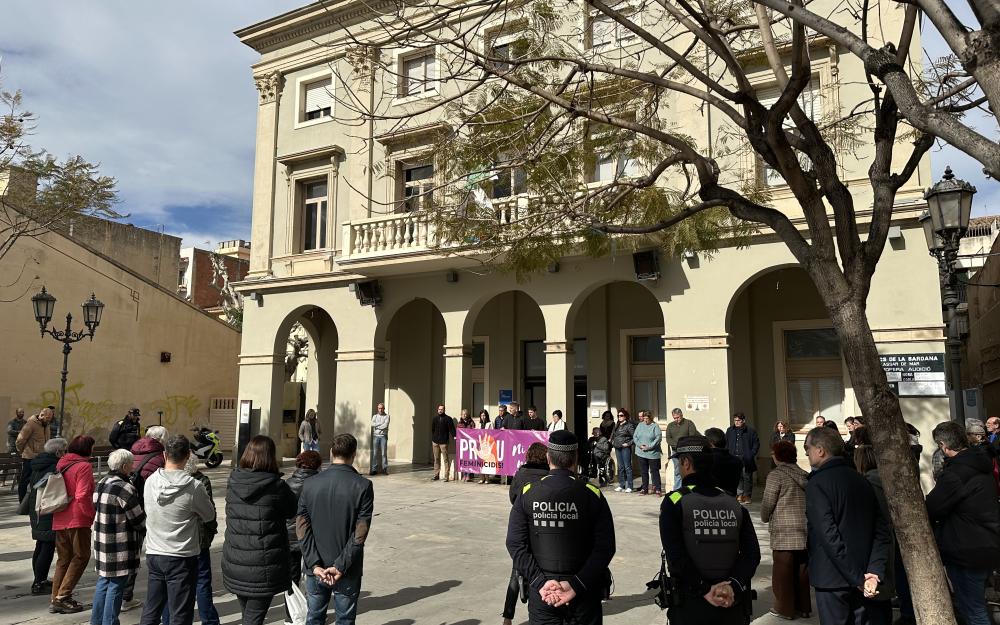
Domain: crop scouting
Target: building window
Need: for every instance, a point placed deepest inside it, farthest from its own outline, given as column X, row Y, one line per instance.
column 607, row 34
column 500, row 52
column 608, row 165
column 814, row 379
column 508, row 181
column 418, row 187
column 811, row 104
column 416, row 74
column 814, row 343
column 314, row 216
column 647, row 349
column 317, row 99
column 478, row 356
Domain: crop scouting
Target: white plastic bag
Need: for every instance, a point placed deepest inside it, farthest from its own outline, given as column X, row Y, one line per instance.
column 295, row 603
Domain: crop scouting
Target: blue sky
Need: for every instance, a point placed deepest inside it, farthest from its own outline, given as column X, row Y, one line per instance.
column 160, row 95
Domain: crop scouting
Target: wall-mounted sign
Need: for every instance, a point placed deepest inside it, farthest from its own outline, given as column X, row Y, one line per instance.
column 915, row 375
column 506, row 396
column 696, row 403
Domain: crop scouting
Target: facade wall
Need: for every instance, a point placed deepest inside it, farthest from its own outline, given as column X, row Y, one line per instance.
column 717, row 316
column 121, row 367
column 983, row 346
column 154, row 255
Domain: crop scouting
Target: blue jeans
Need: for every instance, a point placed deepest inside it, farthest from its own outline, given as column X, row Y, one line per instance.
column 677, row 473
column 380, row 459
column 107, row 600
column 203, row 592
column 970, row 593
column 313, row 446
column 345, row 606
column 624, row 456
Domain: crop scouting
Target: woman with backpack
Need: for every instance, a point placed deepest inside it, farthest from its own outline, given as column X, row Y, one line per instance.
column 255, row 552
column 41, row 526
column 72, row 525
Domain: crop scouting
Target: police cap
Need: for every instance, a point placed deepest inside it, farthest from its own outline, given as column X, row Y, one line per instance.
column 697, row 444
column 562, row 440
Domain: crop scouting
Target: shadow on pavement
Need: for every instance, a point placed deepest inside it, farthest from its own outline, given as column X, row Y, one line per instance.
column 406, row 596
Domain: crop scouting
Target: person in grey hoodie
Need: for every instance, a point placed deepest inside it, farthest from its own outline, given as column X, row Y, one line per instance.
column 179, row 505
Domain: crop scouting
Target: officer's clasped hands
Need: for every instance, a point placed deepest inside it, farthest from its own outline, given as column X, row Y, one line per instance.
column 721, row 595
column 556, row 593
column 870, row 587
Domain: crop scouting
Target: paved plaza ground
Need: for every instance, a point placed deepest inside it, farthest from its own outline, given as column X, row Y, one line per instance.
column 435, row 556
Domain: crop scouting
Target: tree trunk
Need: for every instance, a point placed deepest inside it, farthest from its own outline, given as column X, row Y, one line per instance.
column 897, row 467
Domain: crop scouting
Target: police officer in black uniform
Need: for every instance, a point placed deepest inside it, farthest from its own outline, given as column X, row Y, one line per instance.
column 561, row 537
column 126, row 432
column 710, row 544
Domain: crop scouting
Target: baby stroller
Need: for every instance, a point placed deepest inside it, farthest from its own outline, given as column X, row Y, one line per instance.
column 601, row 466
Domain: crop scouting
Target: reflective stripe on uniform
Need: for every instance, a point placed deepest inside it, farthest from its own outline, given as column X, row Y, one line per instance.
column 594, row 489
column 526, row 487
column 675, row 497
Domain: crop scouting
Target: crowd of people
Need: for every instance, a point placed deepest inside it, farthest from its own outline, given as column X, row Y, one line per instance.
column 268, row 535
column 830, row 529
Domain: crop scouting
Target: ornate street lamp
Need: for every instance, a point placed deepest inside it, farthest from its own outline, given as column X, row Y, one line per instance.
column 949, row 208
column 45, row 304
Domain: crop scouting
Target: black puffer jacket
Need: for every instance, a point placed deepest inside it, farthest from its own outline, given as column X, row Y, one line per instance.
column 41, row 526
column 527, row 473
column 255, row 554
column 295, row 482
column 963, row 508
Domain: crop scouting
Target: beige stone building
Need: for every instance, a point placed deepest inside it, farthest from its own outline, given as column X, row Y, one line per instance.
column 152, row 350
column 742, row 331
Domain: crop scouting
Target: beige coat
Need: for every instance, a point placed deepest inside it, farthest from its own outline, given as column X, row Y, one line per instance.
column 784, row 507
column 31, row 440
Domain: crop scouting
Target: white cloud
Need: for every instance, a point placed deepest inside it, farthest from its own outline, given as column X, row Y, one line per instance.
column 159, row 94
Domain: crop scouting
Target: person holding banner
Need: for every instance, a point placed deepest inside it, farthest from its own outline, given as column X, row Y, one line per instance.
column 561, row 537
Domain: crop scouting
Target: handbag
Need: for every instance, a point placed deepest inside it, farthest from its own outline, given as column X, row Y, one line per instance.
column 295, row 604
column 53, row 496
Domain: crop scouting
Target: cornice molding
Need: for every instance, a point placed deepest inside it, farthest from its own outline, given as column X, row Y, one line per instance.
column 307, row 23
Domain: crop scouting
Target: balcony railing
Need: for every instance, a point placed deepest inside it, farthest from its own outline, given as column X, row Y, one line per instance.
column 409, row 233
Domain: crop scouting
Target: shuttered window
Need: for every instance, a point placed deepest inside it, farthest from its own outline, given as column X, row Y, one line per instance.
column 318, row 99
column 811, row 104
column 416, row 74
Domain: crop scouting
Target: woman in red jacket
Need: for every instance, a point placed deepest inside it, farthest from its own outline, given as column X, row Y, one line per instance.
column 72, row 524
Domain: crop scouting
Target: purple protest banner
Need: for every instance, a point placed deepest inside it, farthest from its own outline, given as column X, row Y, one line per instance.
column 494, row 452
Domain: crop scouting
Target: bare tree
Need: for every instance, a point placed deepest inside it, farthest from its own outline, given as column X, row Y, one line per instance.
column 561, row 133
column 298, row 349
column 231, row 301
column 967, row 79
column 41, row 193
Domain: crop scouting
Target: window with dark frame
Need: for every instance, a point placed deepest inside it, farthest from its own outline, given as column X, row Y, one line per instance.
column 418, row 187
column 416, row 73
column 314, row 216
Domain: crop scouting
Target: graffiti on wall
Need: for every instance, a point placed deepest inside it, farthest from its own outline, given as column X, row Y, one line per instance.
column 95, row 417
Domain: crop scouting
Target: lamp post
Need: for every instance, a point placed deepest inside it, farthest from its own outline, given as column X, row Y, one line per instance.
column 44, row 304
column 949, row 207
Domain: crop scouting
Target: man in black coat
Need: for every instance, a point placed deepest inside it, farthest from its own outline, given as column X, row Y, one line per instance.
column 848, row 537
column 963, row 509
column 727, row 469
column 535, row 421
column 516, row 421
column 742, row 442
column 125, row 432
column 442, row 433
column 341, row 502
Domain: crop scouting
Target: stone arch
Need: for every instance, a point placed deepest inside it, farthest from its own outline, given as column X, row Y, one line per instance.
column 291, row 399
column 783, row 360
column 413, row 337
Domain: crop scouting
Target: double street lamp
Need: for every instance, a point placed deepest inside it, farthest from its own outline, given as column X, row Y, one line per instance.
column 949, row 208
column 45, row 304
